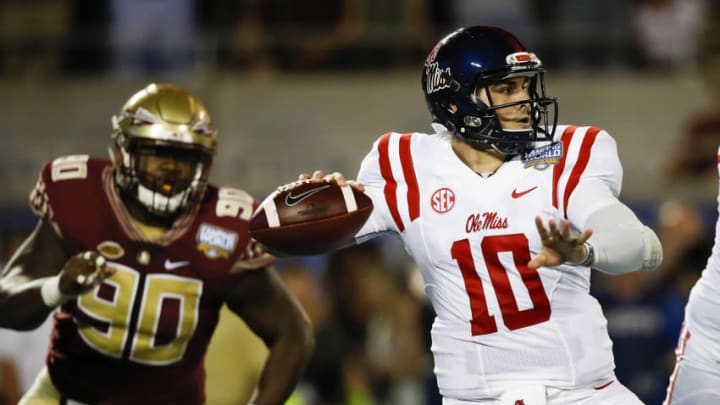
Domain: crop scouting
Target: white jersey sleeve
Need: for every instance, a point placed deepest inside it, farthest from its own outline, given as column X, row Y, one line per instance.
column 592, row 174
column 589, row 199
column 388, row 175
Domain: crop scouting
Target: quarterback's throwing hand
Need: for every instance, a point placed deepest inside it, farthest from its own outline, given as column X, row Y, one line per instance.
column 336, row 177
column 559, row 245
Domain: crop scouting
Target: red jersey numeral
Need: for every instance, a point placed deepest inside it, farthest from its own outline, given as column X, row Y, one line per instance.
column 514, row 318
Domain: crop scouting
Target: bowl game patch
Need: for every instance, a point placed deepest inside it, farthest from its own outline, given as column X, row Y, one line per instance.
column 541, row 158
column 216, row 242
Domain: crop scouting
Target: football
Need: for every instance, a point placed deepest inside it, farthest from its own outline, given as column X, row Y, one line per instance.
column 308, row 218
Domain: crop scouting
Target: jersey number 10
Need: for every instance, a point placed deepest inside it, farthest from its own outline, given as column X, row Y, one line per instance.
column 517, row 244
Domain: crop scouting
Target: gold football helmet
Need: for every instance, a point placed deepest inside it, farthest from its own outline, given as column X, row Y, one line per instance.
column 166, row 122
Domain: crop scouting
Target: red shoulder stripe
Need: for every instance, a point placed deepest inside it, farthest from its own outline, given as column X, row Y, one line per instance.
column 558, row 168
column 580, row 165
column 390, row 183
column 413, row 192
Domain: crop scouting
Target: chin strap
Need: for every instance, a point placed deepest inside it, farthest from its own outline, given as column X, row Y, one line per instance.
column 160, row 204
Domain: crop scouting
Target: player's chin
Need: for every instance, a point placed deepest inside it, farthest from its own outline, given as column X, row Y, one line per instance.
column 520, row 124
column 516, row 129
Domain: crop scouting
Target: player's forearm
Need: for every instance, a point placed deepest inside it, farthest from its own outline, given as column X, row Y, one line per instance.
column 622, row 243
column 285, row 365
column 21, row 304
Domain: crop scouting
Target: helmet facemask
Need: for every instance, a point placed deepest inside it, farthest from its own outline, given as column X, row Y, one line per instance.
column 542, row 115
column 168, row 178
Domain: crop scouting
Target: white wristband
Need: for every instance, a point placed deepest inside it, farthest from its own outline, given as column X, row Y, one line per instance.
column 51, row 295
column 589, row 258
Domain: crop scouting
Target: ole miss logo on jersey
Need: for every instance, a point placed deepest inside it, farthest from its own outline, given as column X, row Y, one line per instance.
column 485, row 221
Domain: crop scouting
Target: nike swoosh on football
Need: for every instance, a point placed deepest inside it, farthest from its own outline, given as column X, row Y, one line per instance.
column 516, row 194
column 291, row 200
column 175, row 265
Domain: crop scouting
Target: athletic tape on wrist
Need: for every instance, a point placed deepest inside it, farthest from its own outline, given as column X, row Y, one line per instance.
column 589, row 258
column 51, row 295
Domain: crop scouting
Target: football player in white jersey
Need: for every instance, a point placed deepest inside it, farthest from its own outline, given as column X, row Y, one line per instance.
column 696, row 377
column 505, row 212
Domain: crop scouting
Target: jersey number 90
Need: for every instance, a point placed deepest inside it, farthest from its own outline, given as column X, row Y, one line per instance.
column 145, row 345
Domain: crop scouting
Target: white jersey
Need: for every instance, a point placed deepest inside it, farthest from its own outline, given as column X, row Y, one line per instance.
column 704, row 303
column 497, row 322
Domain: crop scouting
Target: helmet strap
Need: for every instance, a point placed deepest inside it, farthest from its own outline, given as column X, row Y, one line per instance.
column 141, row 212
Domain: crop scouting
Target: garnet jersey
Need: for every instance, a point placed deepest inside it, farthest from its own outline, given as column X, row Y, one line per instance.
column 143, row 332
column 701, row 314
column 498, row 322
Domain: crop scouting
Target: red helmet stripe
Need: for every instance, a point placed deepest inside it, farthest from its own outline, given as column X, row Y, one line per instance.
column 517, row 46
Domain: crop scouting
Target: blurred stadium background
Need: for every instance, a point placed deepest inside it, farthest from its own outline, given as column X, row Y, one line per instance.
column 294, row 86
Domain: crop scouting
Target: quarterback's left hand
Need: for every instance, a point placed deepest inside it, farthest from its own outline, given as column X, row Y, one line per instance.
column 255, row 257
column 559, row 245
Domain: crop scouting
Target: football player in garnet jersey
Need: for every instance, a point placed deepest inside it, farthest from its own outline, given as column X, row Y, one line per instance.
column 135, row 258
column 505, row 212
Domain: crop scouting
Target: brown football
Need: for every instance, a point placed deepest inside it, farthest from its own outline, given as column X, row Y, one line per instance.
column 307, row 218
